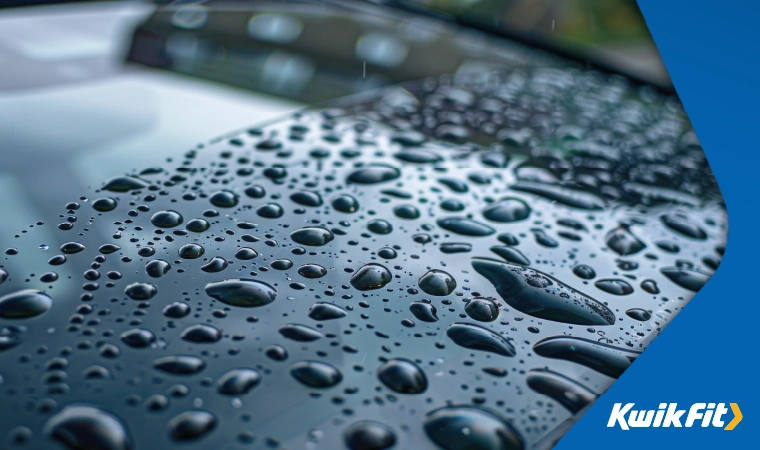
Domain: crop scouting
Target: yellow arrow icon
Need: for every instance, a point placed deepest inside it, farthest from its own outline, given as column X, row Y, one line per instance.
column 737, row 417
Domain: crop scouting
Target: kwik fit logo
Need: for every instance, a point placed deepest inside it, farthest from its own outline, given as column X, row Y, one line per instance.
column 668, row 415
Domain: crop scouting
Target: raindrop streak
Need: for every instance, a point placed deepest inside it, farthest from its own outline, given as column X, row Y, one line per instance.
column 540, row 295
column 603, row 358
column 242, row 292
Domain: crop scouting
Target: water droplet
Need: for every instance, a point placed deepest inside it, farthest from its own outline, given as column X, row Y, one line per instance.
column 511, row 255
column 138, row 338
column 465, row 227
column 650, row 286
column 270, row 211
column 690, row 279
column 402, row 376
column 104, row 204
column 540, row 295
column 312, row 271
column 406, row 212
column 561, row 194
column 246, row 254
column 238, row 381
column 176, row 310
column 191, row 425
column 140, row 291
column 475, row 337
column 614, row 286
column 568, row 393
column 507, row 210
column 380, row 226
column 224, row 199
column 107, row 249
column 307, row 198
column 638, row 314
column 584, row 271
column 437, row 282
column 157, row 268
column 80, row 427
column 24, row 304
column 123, row 184
column 179, row 365
column 482, row 309
column 424, row 312
column 299, row 333
column 197, row 225
column 202, row 333
column 455, row 247
column 464, row 427
column 326, row 311
column 373, row 174
column 603, row 358
column 345, row 203
column 681, row 225
column 191, row 251
column 216, row 264
column 623, row 242
column 166, row 219
column 242, row 292
column 71, row 248
column 371, row 276
column 312, row 236
column 369, row 435
column 316, row 374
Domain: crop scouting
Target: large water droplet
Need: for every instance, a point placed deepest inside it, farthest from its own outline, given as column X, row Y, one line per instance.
column 371, row 276
column 238, row 381
column 85, row 427
column 482, row 309
column 507, row 210
column 476, row 337
column 464, row 427
column 140, row 291
column 179, row 365
column 299, row 333
column 202, row 333
column 316, row 374
column 690, row 279
column 603, row 358
column 191, row 425
column 681, row 225
column 561, row 194
column 568, row 393
column 540, row 295
column 623, row 242
column 166, row 219
column 437, row 282
column 375, row 173
column 423, row 311
column 369, row 435
column 313, row 236
column 402, row 376
column 24, row 304
column 465, row 227
column 242, row 292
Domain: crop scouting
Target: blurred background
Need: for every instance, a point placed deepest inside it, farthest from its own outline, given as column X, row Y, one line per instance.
column 90, row 90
